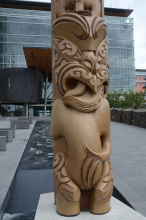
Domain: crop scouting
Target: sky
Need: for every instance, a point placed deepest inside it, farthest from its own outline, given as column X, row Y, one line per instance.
column 139, row 15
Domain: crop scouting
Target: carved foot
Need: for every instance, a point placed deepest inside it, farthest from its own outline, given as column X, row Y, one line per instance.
column 67, row 193
column 102, row 192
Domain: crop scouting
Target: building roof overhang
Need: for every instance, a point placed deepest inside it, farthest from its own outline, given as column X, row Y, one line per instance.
column 39, row 58
column 117, row 12
column 46, row 6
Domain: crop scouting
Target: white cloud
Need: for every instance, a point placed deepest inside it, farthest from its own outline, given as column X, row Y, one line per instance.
column 139, row 15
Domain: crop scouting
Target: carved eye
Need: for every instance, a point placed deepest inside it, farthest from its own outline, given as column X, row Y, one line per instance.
column 87, row 63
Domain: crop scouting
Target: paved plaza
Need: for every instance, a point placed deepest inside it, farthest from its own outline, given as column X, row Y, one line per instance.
column 129, row 163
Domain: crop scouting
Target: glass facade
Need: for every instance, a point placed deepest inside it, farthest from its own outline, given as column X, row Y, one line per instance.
column 12, row 110
column 19, row 28
column 121, row 53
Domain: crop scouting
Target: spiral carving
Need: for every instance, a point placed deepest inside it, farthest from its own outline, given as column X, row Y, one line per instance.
column 65, row 188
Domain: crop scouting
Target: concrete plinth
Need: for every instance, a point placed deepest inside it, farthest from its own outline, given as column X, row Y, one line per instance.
column 2, row 143
column 26, row 118
column 9, row 129
column 24, row 124
column 8, row 134
column 47, row 210
column 15, row 124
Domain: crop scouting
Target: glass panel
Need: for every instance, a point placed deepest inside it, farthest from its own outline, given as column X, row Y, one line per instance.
column 15, row 38
column 111, row 43
column 112, row 73
column 118, row 53
column 1, row 38
column 43, row 29
column 15, row 28
column 7, row 59
column 8, row 48
column 22, row 28
column 21, row 52
column 124, row 63
column 112, row 62
column 15, row 48
column 37, row 29
column 21, row 60
column 131, row 83
column 111, row 53
column 8, row 28
column 29, row 29
column 125, row 82
column 112, row 83
column 124, row 44
column 129, row 35
column 123, row 53
column 119, row 83
column 117, row 43
column 131, row 73
column 110, row 33
column 118, row 63
column 22, row 39
column 130, row 54
column 1, row 58
column 29, row 39
column 125, row 73
column 37, row 39
column 117, row 34
column 1, row 48
column 118, row 73
column 14, row 59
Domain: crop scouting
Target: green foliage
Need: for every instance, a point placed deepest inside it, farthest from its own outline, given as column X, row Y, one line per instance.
column 129, row 99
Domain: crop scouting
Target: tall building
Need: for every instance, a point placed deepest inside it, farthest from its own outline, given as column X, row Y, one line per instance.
column 140, row 80
column 121, row 53
column 25, row 38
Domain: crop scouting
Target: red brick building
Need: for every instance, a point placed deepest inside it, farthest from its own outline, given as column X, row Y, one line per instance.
column 140, row 80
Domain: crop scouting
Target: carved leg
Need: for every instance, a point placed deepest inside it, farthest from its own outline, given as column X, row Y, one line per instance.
column 67, row 193
column 102, row 192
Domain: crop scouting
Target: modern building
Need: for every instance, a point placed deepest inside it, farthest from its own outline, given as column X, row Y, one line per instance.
column 140, row 80
column 25, row 42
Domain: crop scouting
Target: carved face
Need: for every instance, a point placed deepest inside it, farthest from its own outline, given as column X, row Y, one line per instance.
column 80, row 57
column 71, row 6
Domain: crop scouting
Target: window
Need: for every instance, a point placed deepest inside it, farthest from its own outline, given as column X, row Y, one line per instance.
column 140, row 84
column 9, row 83
column 139, row 77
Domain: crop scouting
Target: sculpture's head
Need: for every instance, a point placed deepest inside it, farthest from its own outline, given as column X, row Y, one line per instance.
column 80, row 63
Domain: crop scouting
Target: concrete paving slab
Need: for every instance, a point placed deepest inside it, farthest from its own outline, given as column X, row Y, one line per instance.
column 129, row 163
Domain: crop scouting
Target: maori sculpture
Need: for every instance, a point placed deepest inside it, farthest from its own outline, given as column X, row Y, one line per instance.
column 80, row 123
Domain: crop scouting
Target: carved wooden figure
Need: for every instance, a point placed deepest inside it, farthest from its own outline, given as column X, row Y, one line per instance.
column 80, row 123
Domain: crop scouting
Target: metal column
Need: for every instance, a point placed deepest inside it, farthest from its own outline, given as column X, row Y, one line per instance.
column 46, row 86
column 26, row 109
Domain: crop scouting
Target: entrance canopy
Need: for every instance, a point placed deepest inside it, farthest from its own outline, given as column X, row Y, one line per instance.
column 39, row 58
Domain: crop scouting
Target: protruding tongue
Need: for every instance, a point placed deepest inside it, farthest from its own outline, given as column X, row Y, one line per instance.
column 77, row 91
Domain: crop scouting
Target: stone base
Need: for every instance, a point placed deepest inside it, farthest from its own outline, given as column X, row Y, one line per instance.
column 47, row 210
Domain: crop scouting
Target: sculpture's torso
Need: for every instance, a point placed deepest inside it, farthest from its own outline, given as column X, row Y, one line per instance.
column 77, row 130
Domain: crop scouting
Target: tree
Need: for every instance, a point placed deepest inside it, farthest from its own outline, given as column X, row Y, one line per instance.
column 129, row 99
